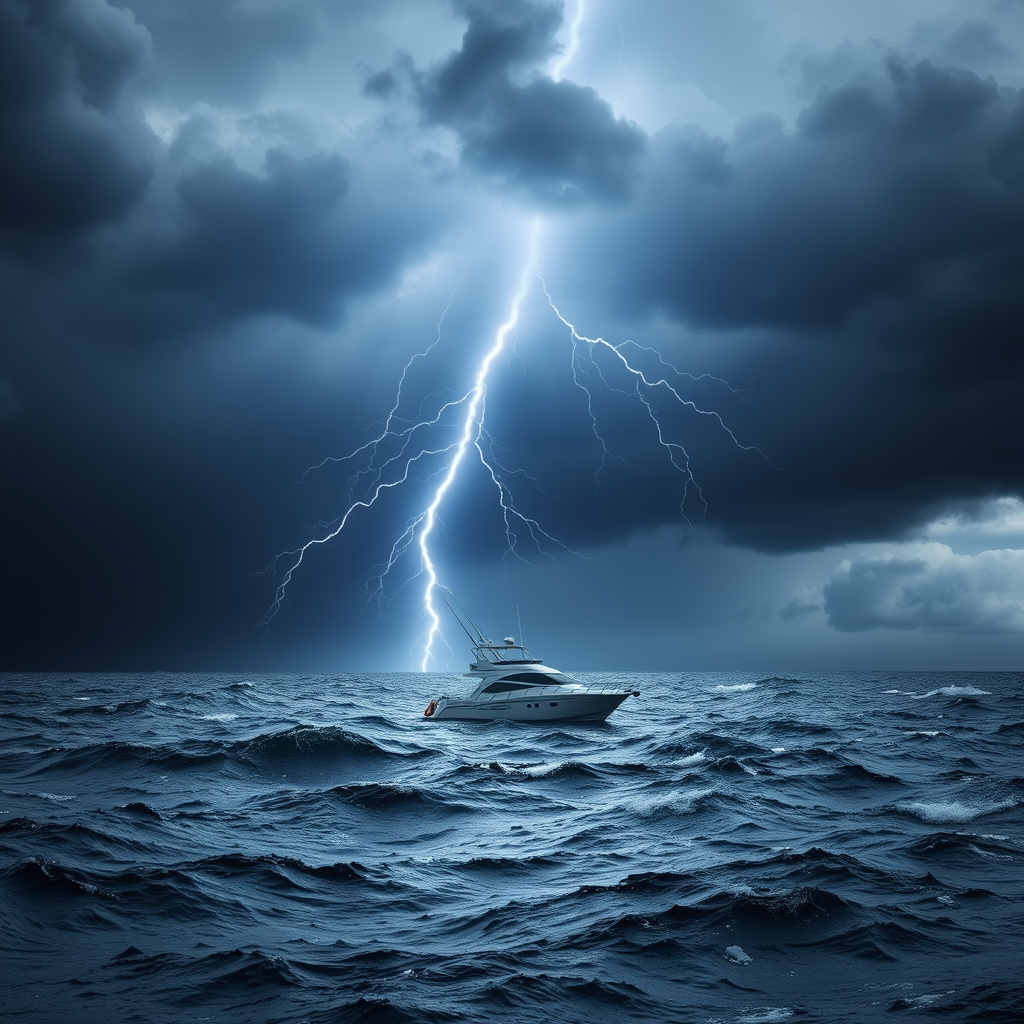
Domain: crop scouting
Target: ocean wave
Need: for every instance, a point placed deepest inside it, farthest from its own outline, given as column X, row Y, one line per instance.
column 955, row 845
column 225, row 973
column 327, row 860
column 690, row 760
column 380, row 796
column 279, row 870
column 879, row 940
column 42, row 875
column 816, row 867
column 798, row 727
column 857, row 775
column 317, row 742
column 953, row 812
column 829, row 769
column 555, row 770
column 953, row 691
column 264, row 868
column 565, row 997
column 681, row 803
column 715, row 745
column 118, row 708
column 505, row 865
column 790, row 906
column 57, row 798
column 997, row 1001
column 137, row 807
column 114, row 755
column 73, row 839
column 761, row 1015
column 730, row 765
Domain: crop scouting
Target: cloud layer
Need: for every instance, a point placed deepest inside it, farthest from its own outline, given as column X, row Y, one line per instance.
column 225, row 228
column 928, row 587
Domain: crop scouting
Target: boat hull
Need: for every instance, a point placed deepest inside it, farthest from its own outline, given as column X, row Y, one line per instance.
column 553, row 707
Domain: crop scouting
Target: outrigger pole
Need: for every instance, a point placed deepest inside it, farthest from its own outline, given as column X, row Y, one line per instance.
column 462, row 616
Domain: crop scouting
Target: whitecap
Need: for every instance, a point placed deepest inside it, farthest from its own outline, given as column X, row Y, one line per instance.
column 953, row 691
column 224, row 716
column 680, row 803
column 735, row 688
column 952, row 812
column 56, row 797
column 691, row 759
column 767, row 1015
column 737, row 955
column 922, row 1001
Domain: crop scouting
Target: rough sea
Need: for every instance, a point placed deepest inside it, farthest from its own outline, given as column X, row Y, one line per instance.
column 727, row 847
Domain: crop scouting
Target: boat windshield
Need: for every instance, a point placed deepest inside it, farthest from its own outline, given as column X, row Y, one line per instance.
column 521, row 679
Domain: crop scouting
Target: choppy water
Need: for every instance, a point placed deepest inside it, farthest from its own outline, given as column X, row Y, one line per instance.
column 726, row 848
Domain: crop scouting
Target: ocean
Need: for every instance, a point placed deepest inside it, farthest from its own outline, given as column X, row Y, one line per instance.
column 728, row 848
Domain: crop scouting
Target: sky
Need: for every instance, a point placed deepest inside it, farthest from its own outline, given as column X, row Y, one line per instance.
column 241, row 241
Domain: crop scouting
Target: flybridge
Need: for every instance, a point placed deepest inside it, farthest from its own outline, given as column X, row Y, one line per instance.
column 490, row 655
column 486, row 652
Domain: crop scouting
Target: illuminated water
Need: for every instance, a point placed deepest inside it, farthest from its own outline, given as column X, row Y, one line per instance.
column 726, row 848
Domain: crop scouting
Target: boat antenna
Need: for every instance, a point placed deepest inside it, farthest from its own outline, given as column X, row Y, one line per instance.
column 461, row 615
column 522, row 639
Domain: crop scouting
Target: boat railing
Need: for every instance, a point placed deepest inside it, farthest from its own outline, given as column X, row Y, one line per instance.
column 548, row 691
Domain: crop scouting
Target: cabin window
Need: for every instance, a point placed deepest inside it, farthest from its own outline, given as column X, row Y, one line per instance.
column 520, row 680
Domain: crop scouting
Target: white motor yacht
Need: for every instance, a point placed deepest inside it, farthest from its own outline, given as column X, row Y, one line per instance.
column 513, row 685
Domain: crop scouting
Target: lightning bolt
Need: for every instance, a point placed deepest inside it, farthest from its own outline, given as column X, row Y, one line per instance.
column 644, row 387
column 472, row 429
column 402, row 451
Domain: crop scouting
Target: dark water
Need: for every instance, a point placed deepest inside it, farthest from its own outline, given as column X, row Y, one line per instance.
column 726, row 848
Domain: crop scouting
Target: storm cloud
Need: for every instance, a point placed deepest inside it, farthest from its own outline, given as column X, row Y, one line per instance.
column 929, row 587
column 225, row 229
column 75, row 156
column 889, row 185
column 553, row 142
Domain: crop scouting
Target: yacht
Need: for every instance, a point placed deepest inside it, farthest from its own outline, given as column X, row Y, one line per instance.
column 513, row 685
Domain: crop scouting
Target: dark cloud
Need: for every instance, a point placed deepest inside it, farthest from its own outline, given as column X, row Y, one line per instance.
column 973, row 44
column 854, row 273
column 887, row 181
column 225, row 52
column 194, row 242
column 877, row 252
column 555, row 142
column 262, row 243
column 290, row 241
column 930, row 588
column 74, row 157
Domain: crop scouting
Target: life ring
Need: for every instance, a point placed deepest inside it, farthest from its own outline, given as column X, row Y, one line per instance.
column 431, row 708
